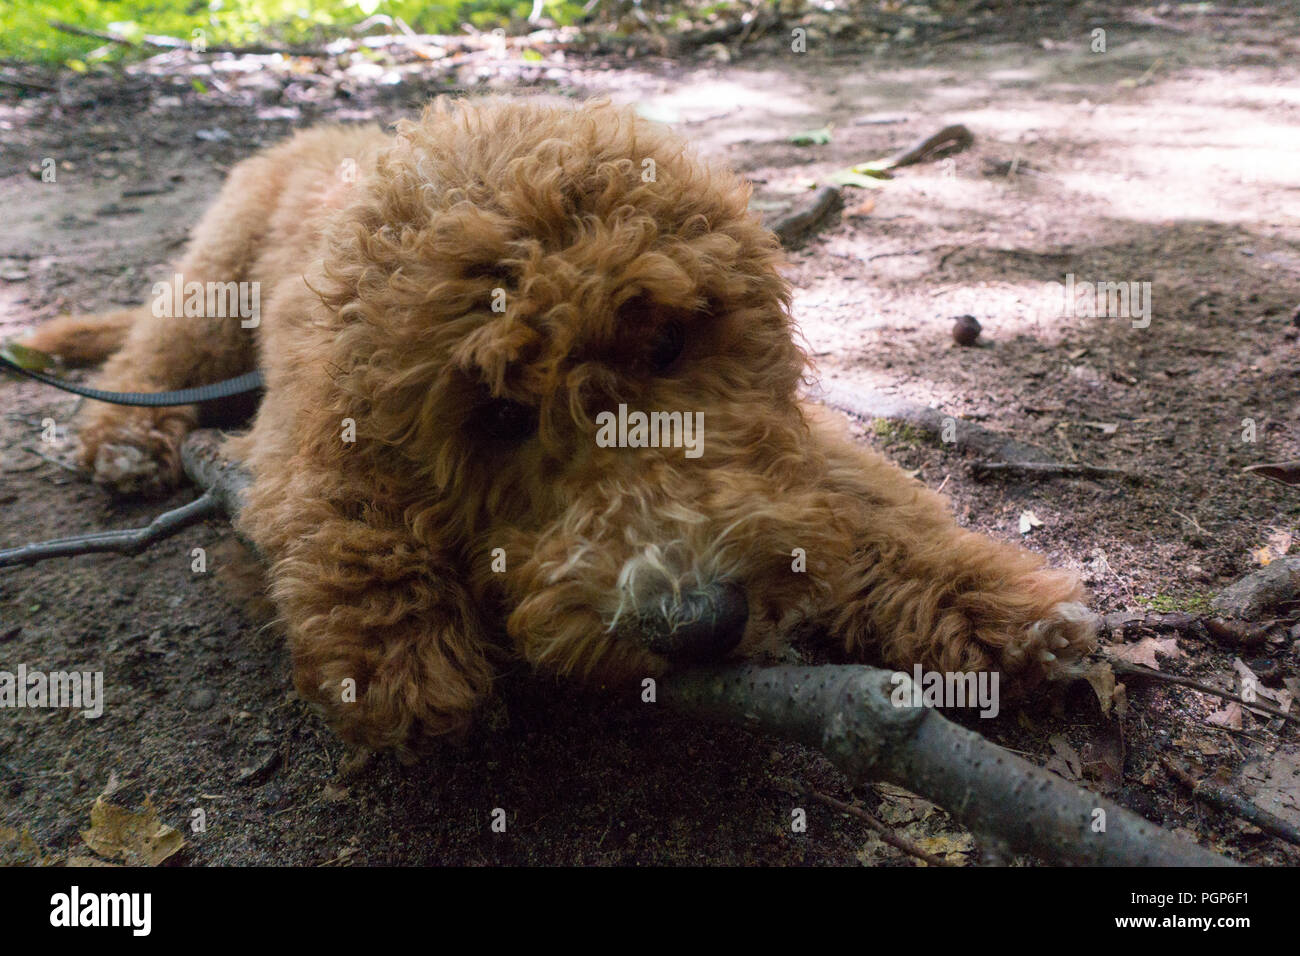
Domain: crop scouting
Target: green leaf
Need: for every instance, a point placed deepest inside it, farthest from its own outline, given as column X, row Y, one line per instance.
column 880, row 168
column 812, row 137
column 851, row 177
column 30, row 359
column 199, row 85
column 532, row 56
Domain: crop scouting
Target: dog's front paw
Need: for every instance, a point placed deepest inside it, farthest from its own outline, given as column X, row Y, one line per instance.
column 1052, row 645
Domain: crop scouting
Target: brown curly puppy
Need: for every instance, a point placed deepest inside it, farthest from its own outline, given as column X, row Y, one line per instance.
column 448, row 338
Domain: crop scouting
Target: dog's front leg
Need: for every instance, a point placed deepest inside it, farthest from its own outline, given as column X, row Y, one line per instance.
column 385, row 639
column 915, row 588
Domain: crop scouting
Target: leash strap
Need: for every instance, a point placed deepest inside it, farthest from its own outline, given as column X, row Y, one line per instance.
column 248, row 382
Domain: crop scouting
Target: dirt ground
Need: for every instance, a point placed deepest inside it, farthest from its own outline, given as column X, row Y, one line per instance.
column 1169, row 159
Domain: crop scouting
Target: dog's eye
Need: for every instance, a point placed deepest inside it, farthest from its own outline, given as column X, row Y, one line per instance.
column 667, row 345
column 505, row 420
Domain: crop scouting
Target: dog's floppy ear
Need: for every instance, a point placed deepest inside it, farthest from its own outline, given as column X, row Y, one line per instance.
column 385, row 638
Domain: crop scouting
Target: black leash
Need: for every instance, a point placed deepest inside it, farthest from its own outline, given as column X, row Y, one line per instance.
column 248, row 382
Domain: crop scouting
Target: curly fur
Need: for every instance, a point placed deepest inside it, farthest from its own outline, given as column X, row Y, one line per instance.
column 378, row 310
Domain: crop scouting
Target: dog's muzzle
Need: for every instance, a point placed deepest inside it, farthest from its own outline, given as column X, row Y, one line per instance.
column 703, row 626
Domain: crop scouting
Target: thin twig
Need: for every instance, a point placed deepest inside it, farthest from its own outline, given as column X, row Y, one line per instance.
column 176, row 43
column 21, row 84
column 952, row 432
column 886, row 834
column 1218, row 796
column 127, row 541
column 1050, row 469
column 77, row 31
column 796, row 226
column 51, row 459
column 1137, row 670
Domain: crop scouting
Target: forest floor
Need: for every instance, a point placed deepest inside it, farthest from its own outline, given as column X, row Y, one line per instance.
column 1169, row 159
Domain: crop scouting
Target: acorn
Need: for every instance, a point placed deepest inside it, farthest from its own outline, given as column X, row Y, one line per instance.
column 965, row 330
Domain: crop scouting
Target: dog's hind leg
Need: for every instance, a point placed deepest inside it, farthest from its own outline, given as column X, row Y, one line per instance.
column 84, row 339
column 138, row 449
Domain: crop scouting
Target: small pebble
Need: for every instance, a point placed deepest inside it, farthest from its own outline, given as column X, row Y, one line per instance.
column 965, row 330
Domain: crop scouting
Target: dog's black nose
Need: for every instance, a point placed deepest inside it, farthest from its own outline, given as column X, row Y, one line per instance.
column 703, row 626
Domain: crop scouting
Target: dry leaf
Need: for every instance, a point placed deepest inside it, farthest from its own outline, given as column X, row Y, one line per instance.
column 1249, row 680
column 1144, row 651
column 137, row 839
column 864, row 208
column 951, row 849
column 1102, row 679
column 20, row 849
column 1229, row 717
column 1279, row 543
column 1103, row 760
column 1068, row 754
column 1029, row 521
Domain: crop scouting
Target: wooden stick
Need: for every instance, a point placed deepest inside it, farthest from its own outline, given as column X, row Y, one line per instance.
column 795, row 226
column 1050, row 469
column 21, row 84
column 848, row 714
column 1137, row 670
column 887, row 835
column 868, row 404
column 127, row 541
column 1218, row 796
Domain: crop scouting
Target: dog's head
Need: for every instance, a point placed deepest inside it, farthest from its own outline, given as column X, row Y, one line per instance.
column 567, row 346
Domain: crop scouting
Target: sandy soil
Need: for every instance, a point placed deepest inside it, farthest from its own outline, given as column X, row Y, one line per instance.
column 1169, row 159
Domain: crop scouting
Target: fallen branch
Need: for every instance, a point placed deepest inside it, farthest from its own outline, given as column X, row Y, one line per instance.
column 19, row 83
column 127, row 541
column 176, row 43
column 868, row 405
column 1224, row 799
column 847, row 714
column 1015, row 457
column 1263, row 593
column 223, row 482
column 1137, row 670
column 794, row 227
column 950, row 139
column 1050, row 469
column 887, row 835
